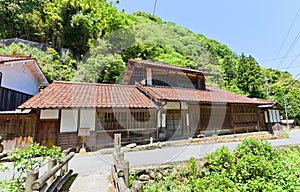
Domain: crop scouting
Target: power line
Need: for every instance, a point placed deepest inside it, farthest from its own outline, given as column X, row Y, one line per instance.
column 292, row 62
column 278, row 58
column 290, row 28
column 289, row 50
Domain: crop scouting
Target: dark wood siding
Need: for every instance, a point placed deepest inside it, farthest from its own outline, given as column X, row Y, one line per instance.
column 209, row 117
column 68, row 140
column 11, row 99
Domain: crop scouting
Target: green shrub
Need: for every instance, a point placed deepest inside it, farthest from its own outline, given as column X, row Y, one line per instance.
column 253, row 166
column 26, row 160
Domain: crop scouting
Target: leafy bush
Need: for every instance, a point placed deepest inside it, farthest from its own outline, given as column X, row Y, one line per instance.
column 26, row 160
column 253, row 166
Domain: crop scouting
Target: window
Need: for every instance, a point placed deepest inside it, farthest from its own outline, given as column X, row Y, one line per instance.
column 126, row 120
column 141, row 116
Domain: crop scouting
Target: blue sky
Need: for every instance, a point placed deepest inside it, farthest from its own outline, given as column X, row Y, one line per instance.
column 253, row 27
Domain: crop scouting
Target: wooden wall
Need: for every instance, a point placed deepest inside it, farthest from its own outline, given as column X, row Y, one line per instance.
column 237, row 117
column 22, row 125
column 164, row 77
column 10, row 99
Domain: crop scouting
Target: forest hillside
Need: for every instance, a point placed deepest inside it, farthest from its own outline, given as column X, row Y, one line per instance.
column 91, row 41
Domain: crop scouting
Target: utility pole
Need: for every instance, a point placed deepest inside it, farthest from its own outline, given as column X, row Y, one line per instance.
column 267, row 86
column 286, row 114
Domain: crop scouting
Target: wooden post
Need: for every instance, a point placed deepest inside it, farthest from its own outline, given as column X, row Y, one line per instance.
column 117, row 142
column 65, row 168
column 51, row 164
column 125, row 165
column 30, row 179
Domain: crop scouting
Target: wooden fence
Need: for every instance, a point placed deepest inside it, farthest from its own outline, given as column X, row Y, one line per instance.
column 120, row 169
column 49, row 181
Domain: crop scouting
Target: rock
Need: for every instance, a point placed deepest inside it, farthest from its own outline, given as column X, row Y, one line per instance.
column 137, row 171
column 159, row 176
column 137, row 186
column 152, row 174
column 144, row 177
column 173, row 172
column 130, row 146
column 165, row 172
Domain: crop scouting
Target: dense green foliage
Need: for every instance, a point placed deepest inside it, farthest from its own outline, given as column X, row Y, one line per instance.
column 24, row 161
column 101, row 39
column 253, row 166
column 55, row 66
column 72, row 23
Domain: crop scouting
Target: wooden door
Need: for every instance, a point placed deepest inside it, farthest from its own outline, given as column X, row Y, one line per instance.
column 174, row 123
column 194, row 115
column 48, row 133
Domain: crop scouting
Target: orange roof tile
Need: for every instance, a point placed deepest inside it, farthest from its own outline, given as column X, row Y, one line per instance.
column 210, row 95
column 88, row 95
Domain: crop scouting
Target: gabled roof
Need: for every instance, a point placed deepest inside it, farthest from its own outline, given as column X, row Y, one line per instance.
column 33, row 67
column 210, row 95
column 88, row 95
column 7, row 58
column 132, row 63
column 274, row 105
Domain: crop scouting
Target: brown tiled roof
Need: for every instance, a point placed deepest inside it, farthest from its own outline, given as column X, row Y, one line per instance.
column 7, row 58
column 210, row 95
column 165, row 66
column 88, row 95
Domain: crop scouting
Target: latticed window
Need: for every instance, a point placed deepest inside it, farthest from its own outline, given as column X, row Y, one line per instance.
column 141, row 116
column 125, row 119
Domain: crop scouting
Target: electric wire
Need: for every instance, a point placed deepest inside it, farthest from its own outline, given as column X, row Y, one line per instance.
column 290, row 49
column 290, row 28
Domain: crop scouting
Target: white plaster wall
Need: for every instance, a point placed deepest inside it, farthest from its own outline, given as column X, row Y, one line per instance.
column 17, row 77
column 49, row 114
column 158, row 119
column 149, row 76
column 88, row 119
column 184, row 105
column 172, row 105
column 69, row 120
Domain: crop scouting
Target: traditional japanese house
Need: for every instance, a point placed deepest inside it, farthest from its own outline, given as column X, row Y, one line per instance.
column 156, row 100
column 104, row 109
column 188, row 106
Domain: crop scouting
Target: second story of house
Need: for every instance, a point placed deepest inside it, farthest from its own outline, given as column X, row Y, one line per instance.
column 158, row 74
column 21, row 74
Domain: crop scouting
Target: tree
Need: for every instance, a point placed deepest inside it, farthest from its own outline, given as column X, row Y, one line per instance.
column 249, row 77
column 228, row 66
